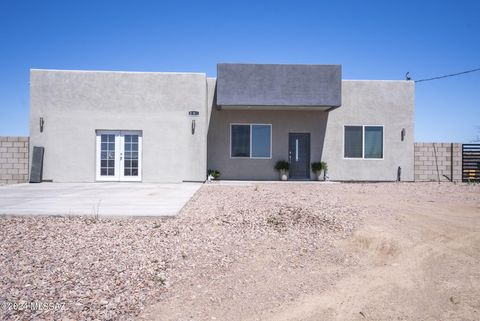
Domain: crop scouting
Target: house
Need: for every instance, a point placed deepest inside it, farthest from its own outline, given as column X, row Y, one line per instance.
column 171, row 127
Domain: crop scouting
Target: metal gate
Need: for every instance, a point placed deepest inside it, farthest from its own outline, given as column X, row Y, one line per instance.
column 471, row 162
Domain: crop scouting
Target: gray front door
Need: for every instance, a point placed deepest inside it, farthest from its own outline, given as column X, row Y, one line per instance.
column 299, row 155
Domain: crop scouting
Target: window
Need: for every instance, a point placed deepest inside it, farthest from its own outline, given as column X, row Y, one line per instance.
column 364, row 142
column 353, row 141
column 240, row 140
column 373, row 142
column 251, row 140
column 261, row 141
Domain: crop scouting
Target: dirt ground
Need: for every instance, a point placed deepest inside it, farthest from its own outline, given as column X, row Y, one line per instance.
column 419, row 259
column 415, row 256
column 262, row 252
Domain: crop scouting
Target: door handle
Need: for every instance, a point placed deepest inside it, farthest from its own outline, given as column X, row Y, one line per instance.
column 296, row 150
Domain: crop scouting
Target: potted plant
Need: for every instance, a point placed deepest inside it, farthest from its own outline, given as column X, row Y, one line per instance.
column 325, row 168
column 282, row 166
column 318, row 168
column 213, row 174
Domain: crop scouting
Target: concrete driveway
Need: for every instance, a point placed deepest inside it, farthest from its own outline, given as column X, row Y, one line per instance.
column 106, row 199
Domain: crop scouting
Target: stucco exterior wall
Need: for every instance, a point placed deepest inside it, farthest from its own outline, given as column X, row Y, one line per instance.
column 387, row 103
column 211, row 85
column 282, row 121
column 74, row 104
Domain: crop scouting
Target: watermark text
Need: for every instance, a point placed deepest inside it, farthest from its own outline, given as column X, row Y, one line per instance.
column 31, row 306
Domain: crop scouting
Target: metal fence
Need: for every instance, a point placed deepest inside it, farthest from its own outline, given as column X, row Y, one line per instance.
column 471, row 162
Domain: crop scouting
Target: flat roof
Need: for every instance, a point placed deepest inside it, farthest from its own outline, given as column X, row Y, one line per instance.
column 120, row 72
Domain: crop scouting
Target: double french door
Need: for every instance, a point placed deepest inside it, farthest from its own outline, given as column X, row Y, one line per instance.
column 119, row 155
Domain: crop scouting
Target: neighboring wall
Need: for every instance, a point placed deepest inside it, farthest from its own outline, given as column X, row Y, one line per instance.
column 74, row 104
column 13, row 160
column 433, row 162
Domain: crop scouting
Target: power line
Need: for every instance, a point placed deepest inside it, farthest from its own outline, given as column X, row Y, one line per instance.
column 451, row 75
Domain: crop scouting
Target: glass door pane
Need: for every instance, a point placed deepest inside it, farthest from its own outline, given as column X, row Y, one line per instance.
column 131, row 156
column 107, row 155
column 130, row 162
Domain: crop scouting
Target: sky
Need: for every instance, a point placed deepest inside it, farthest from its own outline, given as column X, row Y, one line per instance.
column 370, row 39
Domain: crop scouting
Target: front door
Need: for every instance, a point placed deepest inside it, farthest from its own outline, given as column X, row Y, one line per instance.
column 299, row 155
column 119, row 155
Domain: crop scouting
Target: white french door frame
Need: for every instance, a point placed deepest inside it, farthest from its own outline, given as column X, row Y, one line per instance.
column 119, row 156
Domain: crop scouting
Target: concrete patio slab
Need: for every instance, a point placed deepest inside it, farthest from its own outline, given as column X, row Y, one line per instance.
column 106, row 199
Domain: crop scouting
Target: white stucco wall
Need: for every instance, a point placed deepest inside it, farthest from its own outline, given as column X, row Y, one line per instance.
column 386, row 103
column 368, row 102
column 76, row 103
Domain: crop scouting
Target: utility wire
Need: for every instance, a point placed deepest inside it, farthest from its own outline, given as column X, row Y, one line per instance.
column 451, row 75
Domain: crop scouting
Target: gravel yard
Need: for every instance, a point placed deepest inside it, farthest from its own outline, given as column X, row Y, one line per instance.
column 234, row 252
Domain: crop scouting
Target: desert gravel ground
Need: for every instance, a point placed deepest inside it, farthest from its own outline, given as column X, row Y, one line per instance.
column 260, row 252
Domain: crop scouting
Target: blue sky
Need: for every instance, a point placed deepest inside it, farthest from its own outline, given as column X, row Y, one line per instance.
column 371, row 39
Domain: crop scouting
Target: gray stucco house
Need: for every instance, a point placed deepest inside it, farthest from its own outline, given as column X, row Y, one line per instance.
column 171, row 127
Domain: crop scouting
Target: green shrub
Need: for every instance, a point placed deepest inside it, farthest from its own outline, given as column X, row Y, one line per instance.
column 215, row 174
column 324, row 166
column 282, row 165
column 317, row 167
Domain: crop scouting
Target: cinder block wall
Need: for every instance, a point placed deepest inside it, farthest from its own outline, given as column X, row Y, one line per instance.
column 432, row 156
column 13, row 160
